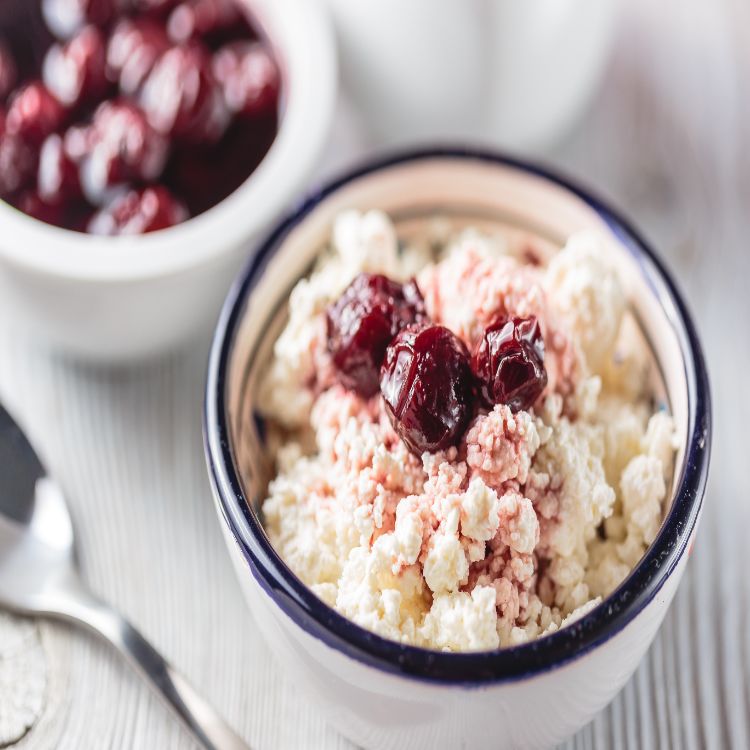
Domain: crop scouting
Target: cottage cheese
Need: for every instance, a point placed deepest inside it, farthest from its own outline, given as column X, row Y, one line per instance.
column 526, row 524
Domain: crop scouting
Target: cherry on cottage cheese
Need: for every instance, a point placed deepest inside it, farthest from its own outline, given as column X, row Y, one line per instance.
column 509, row 362
column 363, row 321
column 427, row 387
column 426, row 381
column 105, row 98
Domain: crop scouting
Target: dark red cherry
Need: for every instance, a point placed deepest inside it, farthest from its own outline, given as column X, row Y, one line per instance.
column 138, row 212
column 134, row 46
column 181, row 97
column 427, row 387
column 34, row 113
column 57, row 175
column 363, row 321
column 17, row 164
column 200, row 18
column 78, row 141
column 32, row 204
column 122, row 147
column 74, row 72
column 8, row 71
column 248, row 77
column 65, row 17
column 509, row 363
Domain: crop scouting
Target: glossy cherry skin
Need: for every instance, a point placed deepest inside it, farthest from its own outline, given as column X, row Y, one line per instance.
column 17, row 165
column 65, row 17
column 32, row 204
column 57, row 174
column 17, row 161
column 122, row 147
column 138, row 212
column 75, row 77
column 363, row 321
column 74, row 72
column 428, row 388
column 248, row 77
column 197, row 19
column 181, row 98
column 509, row 363
column 34, row 113
column 134, row 47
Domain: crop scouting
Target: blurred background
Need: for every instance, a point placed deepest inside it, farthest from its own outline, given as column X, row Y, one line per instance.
column 647, row 104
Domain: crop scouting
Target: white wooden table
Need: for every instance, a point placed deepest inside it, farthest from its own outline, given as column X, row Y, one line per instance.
column 667, row 139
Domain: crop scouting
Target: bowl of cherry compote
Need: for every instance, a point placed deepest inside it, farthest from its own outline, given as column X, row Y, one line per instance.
column 130, row 116
column 143, row 145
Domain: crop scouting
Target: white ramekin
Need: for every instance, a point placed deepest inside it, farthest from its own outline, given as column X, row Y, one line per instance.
column 513, row 74
column 119, row 298
column 380, row 693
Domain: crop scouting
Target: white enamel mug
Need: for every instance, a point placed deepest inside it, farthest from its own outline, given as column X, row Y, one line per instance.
column 121, row 298
column 386, row 695
column 515, row 74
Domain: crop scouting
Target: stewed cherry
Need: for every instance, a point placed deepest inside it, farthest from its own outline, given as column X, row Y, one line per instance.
column 138, row 212
column 248, row 77
column 74, row 72
column 363, row 321
column 181, row 97
column 17, row 162
column 65, row 17
column 134, row 47
column 57, row 175
column 509, row 363
column 427, row 386
column 122, row 147
column 32, row 204
column 195, row 19
column 34, row 113
column 143, row 112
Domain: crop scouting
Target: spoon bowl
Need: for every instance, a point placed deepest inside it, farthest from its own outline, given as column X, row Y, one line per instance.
column 37, row 546
column 39, row 576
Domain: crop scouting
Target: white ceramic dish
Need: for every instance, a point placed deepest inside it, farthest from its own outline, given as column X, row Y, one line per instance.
column 118, row 298
column 514, row 74
column 380, row 693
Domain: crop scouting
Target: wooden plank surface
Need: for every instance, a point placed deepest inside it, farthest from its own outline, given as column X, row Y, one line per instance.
column 668, row 139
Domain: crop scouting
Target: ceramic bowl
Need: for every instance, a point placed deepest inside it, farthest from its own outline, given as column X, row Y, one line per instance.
column 379, row 693
column 119, row 298
column 516, row 75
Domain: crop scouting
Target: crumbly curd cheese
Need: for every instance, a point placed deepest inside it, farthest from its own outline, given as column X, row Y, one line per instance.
column 525, row 525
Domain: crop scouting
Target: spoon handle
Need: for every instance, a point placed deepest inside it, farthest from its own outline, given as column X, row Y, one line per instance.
column 206, row 725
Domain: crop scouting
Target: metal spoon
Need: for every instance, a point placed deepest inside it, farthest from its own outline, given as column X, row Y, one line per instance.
column 38, row 576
